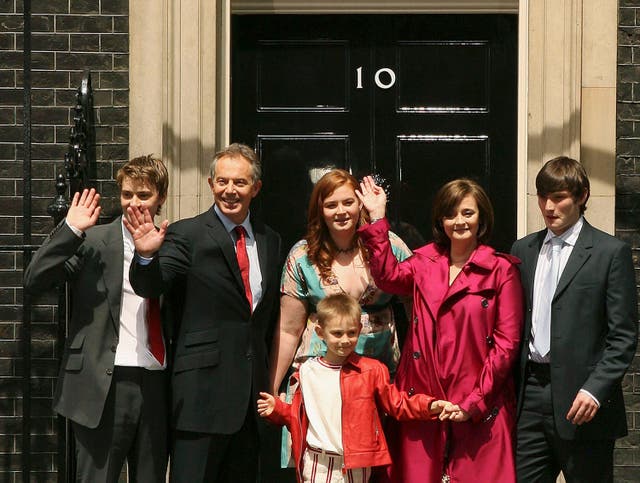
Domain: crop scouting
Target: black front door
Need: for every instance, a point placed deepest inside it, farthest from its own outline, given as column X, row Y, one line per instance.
column 417, row 99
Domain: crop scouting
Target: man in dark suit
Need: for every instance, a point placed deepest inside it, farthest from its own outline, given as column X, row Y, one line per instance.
column 112, row 384
column 579, row 338
column 227, row 285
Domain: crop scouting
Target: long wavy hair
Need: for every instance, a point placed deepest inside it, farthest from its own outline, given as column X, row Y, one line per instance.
column 321, row 249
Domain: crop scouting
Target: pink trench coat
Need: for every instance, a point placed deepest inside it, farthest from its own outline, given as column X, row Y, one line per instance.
column 461, row 346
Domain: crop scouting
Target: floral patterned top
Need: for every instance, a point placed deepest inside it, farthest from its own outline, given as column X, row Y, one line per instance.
column 378, row 338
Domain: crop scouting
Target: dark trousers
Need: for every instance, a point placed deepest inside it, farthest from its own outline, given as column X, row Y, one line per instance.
column 133, row 427
column 217, row 458
column 541, row 454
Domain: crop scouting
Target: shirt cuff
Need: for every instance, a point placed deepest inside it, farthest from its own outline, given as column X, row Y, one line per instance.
column 591, row 396
column 143, row 260
column 79, row 233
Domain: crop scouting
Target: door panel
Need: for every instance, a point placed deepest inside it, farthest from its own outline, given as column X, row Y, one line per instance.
column 287, row 81
column 417, row 99
column 419, row 90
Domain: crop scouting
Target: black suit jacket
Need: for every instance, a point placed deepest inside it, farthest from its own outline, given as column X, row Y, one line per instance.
column 93, row 265
column 593, row 328
column 220, row 348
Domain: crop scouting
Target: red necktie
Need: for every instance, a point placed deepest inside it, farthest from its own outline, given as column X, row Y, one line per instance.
column 154, row 330
column 243, row 261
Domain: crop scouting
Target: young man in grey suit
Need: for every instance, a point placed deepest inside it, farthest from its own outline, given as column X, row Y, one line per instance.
column 580, row 335
column 112, row 384
column 222, row 268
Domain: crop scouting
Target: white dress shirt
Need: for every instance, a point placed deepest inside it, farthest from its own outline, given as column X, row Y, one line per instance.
column 132, row 347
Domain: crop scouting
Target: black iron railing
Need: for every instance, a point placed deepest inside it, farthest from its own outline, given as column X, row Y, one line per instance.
column 79, row 164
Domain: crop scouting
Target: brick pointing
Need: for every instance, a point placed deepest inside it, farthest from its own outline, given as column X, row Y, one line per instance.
column 67, row 37
column 627, row 453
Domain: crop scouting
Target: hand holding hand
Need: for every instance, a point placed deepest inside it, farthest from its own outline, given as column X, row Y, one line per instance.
column 372, row 197
column 438, row 406
column 583, row 409
column 453, row 412
column 266, row 404
column 84, row 209
column 146, row 238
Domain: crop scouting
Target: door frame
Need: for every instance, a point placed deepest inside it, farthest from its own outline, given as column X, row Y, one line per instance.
column 566, row 87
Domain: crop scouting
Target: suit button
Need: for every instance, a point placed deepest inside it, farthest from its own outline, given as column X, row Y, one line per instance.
column 415, row 320
column 114, row 347
column 109, row 372
column 412, row 391
column 416, row 355
column 248, row 355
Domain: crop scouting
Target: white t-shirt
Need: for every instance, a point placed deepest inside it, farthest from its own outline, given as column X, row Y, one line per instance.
column 320, row 384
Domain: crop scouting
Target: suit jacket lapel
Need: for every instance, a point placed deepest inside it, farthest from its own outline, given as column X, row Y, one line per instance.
column 434, row 267
column 218, row 232
column 112, row 266
column 530, row 262
column 579, row 255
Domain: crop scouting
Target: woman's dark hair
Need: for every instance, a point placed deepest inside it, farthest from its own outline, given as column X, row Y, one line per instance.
column 449, row 197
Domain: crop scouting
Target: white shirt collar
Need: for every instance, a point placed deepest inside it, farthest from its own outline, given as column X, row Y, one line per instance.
column 230, row 225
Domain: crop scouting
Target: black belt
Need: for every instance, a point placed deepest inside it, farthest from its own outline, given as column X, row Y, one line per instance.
column 540, row 371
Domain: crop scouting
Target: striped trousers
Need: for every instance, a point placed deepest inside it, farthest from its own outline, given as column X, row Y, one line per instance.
column 324, row 467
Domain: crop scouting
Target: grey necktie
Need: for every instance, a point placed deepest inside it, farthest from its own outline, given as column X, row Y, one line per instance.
column 542, row 338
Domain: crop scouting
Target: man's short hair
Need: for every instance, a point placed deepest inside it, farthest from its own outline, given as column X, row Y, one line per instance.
column 564, row 173
column 338, row 306
column 147, row 169
column 238, row 150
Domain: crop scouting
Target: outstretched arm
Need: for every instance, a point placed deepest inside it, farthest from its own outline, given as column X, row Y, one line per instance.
column 266, row 404
column 146, row 238
column 57, row 260
column 389, row 275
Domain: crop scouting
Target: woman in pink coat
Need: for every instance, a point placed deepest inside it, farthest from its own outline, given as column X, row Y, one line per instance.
column 463, row 339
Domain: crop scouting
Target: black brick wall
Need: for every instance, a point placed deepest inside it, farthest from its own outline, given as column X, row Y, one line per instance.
column 627, row 455
column 67, row 37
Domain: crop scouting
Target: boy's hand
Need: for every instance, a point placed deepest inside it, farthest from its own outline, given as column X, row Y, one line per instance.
column 453, row 412
column 266, row 404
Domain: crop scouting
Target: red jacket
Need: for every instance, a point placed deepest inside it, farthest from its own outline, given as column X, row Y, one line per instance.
column 365, row 389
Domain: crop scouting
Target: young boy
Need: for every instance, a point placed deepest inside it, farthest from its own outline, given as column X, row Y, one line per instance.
column 334, row 416
column 112, row 384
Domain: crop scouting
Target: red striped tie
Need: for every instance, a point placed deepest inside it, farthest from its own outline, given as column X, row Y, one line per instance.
column 243, row 261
